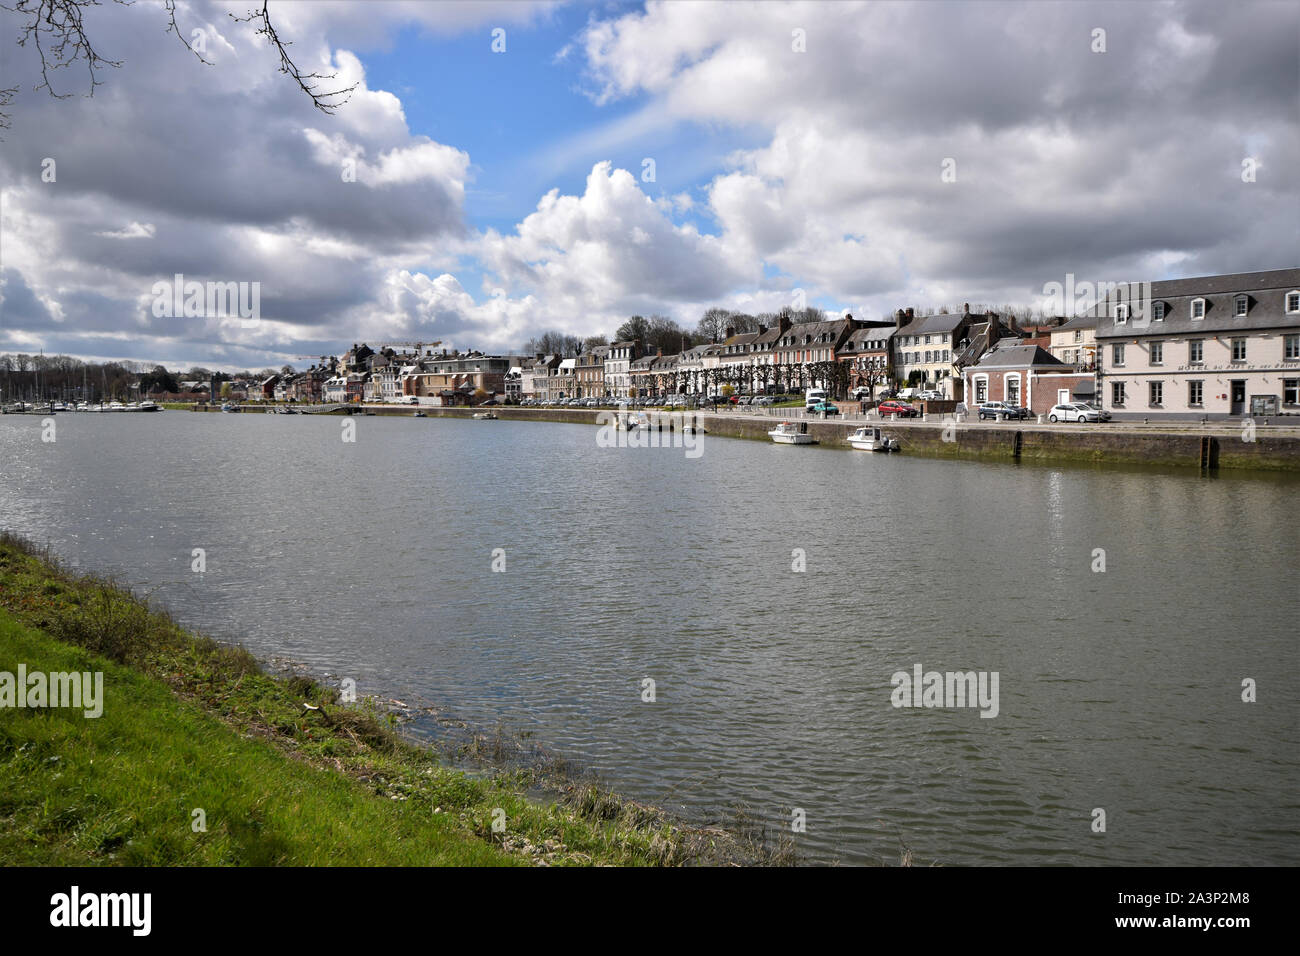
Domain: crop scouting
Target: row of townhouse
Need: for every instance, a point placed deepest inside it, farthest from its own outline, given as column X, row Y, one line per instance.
column 839, row 354
column 1218, row 346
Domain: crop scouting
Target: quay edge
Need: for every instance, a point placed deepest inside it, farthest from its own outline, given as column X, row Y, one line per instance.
column 1184, row 445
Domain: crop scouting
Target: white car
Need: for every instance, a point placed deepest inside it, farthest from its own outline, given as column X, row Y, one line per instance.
column 1077, row 412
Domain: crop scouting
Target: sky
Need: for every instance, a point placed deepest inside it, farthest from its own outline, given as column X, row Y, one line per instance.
column 507, row 168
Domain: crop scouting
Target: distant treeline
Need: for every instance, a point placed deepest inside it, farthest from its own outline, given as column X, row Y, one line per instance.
column 31, row 378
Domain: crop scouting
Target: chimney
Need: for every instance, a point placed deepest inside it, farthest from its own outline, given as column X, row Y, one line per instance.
column 783, row 323
column 965, row 308
column 730, row 332
column 761, row 328
column 898, row 319
column 910, row 315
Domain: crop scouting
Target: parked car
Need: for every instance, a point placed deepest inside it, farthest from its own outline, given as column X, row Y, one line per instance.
column 824, row 408
column 1003, row 410
column 1077, row 412
column 897, row 408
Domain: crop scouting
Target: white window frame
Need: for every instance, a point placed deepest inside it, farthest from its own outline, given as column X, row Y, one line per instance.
column 1117, row 355
column 1286, row 302
column 1197, row 400
column 1232, row 344
column 1156, row 394
column 1158, row 311
column 1289, row 339
column 1006, row 387
column 1200, row 344
column 1240, row 305
column 1195, row 303
column 1157, row 353
column 1121, row 314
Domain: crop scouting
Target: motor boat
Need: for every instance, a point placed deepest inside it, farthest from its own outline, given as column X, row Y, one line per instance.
column 870, row 438
column 791, row 433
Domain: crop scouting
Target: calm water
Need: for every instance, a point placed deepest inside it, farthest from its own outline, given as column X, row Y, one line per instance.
column 1118, row 690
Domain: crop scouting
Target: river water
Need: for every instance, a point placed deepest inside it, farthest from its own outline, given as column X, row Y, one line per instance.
column 1118, row 690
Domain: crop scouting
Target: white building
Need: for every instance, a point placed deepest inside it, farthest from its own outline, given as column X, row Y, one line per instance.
column 617, row 365
column 1217, row 346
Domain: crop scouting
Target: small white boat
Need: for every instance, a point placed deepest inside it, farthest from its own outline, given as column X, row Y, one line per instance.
column 630, row 421
column 147, row 406
column 869, row 438
column 486, row 416
column 791, row 433
column 228, row 407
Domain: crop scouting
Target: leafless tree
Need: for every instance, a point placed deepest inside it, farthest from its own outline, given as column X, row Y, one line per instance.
column 56, row 30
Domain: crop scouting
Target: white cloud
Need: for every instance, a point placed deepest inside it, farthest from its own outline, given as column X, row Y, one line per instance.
column 135, row 230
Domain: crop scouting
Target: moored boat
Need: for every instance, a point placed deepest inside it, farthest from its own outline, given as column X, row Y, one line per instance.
column 791, row 433
column 870, row 438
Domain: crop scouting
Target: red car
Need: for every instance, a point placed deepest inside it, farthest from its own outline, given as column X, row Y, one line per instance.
column 897, row 408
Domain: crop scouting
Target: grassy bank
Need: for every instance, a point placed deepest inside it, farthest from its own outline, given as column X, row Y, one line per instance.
column 284, row 774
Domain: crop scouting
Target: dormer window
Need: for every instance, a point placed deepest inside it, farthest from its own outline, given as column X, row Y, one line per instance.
column 1198, row 308
column 1240, row 305
column 1293, row 301
column 1158, row 311
column 1121, row 314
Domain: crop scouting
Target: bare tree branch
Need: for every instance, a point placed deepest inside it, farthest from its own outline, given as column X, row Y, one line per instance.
column 308, row 82
column 55, row 29
column 173, row 28
column 59, row 24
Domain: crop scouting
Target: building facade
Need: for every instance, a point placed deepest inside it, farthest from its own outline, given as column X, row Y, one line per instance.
column 1217, row 346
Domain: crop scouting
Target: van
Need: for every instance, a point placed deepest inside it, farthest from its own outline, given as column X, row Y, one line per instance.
column 814, row 396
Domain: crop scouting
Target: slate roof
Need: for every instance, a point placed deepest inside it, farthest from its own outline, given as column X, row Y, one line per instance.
column 1266, row 310
column 932, row 324
column 1078, row 322
column 872, row 337
column 834, row 328
column 1018, row 356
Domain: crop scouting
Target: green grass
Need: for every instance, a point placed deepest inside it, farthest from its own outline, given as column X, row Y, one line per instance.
column 189, row 723
column 123, row 787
